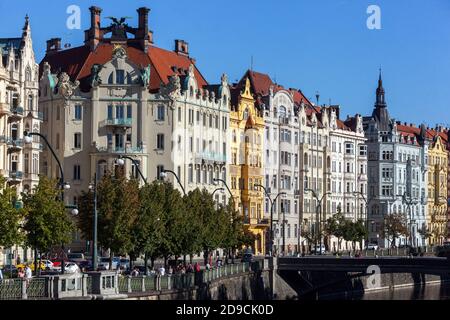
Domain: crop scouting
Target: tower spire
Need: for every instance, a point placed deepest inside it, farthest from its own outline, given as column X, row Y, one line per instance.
column 380, row 93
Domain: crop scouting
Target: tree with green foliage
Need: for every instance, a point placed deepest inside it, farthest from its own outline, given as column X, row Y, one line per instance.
column 334, row 226
column 202, row 206
column 10, row 217
column 394, row 226
column 148, row 230
column 117, row 208
column 85, row 219
column 47, row 223
column 174, row 221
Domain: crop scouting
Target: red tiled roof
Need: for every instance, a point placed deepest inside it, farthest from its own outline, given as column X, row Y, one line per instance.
column 163, row 61
column 77, row 63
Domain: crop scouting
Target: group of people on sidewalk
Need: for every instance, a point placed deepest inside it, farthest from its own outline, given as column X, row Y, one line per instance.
column 181, row 268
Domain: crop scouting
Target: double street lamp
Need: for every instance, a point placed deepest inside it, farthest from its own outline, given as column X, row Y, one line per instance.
column 164, row 173
column 62, row 184
column 319, row 214
column 271, row 214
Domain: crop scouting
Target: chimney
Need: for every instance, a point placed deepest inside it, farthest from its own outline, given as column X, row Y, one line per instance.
column 53, row 45
column 93, row 35
column 144, row 35
column 182, row 47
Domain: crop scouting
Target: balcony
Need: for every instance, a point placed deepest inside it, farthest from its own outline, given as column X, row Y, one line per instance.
column 13, row 144
column 15, row 176
column 16, row 112
column 210, row 157
column 118, row 122
column 257, row 222
column 121, row 150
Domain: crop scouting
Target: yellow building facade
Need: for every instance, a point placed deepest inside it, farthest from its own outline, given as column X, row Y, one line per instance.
column 437, row 190
column 246, row 167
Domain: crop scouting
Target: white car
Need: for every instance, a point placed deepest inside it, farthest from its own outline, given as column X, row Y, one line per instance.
column 372, row 246
column 69, row 267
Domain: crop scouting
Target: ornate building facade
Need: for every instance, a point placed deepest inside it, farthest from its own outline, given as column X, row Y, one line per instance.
column 437, row 186
column 397, row 168
column 247, row 163
column 19, row 162
column 119, row 96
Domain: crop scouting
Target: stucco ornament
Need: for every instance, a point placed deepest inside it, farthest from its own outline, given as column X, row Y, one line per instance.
column 173, row 89
column 119, row 52
column 145, row 76
column 66, row 87
column 224, row 80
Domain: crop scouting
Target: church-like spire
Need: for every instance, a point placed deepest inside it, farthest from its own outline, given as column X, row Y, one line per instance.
column 380, row 113
column 380, row 93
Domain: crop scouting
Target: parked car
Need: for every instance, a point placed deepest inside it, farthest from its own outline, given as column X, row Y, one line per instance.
column 104, row 263
column 319, row 249
column 69, row 267
column 23, row 266
column 7, row 270
column 76, row 257
column 372, row 246
column 48, row 264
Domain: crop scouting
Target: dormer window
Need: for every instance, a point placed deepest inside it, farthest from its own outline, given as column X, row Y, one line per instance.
column 120, row 77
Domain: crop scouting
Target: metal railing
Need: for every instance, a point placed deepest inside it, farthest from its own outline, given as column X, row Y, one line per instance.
column 127, row 122
column 82, row 285
column 20, row 289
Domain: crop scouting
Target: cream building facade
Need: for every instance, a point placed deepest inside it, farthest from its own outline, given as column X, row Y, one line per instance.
column 19, row 162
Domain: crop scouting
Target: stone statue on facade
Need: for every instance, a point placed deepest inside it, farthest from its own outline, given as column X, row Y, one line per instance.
column 95, row 77
column 145, row 76
column 66, row 87
column 173, row 89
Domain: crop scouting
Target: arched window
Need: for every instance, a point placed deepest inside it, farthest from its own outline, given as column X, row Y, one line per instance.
column 14, row 131
column 282, row 112
column 111, row 78
column 30, row 102
column 28, row 74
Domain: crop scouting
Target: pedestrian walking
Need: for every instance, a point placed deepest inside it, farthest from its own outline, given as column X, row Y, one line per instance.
column 162, row 271
column 20, row 273
column 28, row 274
column 135, row 272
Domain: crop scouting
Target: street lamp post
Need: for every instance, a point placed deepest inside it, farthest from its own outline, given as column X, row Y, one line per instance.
column 93, row 187
column 62, row 184
column 271, row 213
column 366, row 201
column 319, row 213
column 164, row 175
column 408, row 203
column 121, row 162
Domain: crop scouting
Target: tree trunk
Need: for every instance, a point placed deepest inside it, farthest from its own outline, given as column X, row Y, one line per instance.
column 111, row 254
column 145, row 264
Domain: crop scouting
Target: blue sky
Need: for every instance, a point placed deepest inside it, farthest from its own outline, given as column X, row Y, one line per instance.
column 321, row 45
